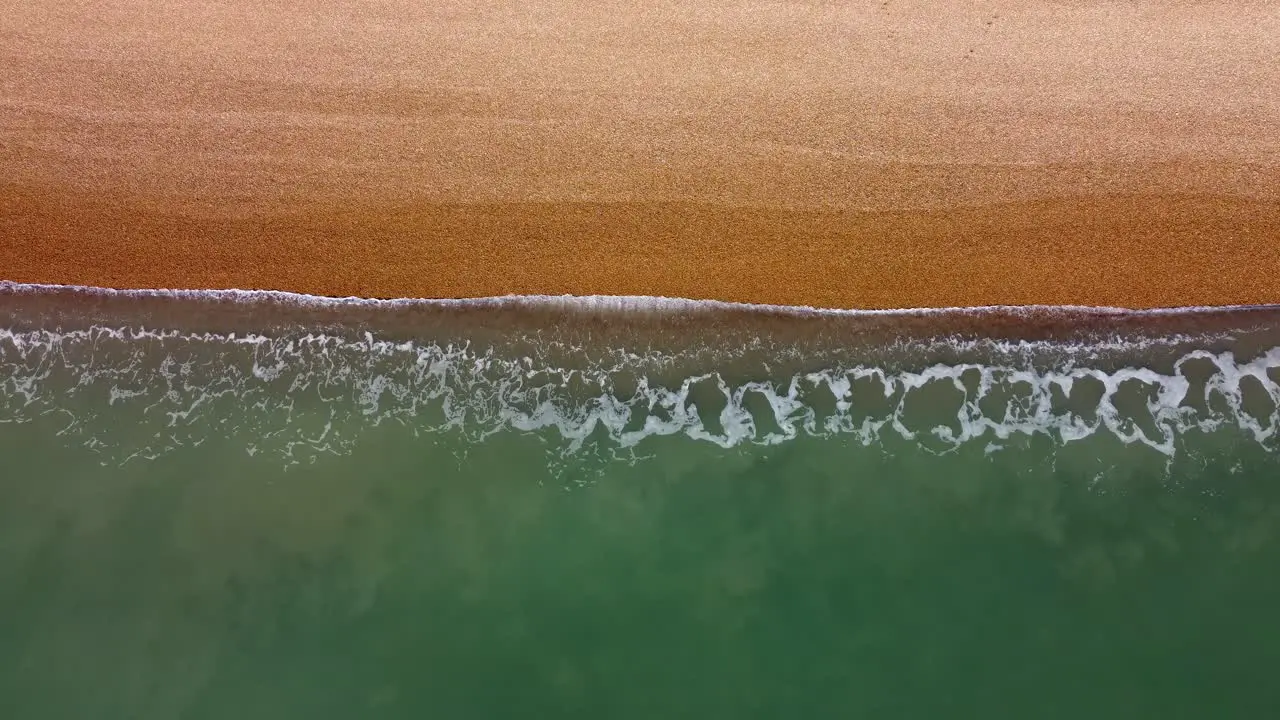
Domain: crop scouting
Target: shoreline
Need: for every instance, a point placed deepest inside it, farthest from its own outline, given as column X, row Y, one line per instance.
column 596, row 304
column 635, row 324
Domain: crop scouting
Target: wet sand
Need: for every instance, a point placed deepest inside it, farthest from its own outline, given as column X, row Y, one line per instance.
column 886, row 155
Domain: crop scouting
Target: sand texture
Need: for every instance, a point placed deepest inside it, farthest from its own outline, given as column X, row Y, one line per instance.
column 841, row 154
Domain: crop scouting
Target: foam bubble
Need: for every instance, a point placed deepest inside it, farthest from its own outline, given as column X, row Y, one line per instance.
column 310, row 394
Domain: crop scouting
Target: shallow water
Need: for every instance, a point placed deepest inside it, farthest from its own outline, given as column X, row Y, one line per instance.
column 240, row 509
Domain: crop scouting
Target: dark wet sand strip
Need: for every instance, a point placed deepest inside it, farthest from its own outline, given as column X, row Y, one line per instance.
column 1120, row 251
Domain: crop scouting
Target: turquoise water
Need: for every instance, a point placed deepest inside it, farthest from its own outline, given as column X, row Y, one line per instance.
column 485, row 513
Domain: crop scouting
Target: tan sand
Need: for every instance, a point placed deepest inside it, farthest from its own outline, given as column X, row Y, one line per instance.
column 848, row 154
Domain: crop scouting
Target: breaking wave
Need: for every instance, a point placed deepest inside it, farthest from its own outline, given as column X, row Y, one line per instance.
column 131, row 393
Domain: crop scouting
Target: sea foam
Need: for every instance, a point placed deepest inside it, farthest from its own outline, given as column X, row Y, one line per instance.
column 134, row 393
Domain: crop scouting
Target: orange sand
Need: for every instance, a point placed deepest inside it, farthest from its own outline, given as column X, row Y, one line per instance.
column 837, row 154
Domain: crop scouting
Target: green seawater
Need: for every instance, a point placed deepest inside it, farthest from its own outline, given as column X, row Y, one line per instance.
column 194, row 528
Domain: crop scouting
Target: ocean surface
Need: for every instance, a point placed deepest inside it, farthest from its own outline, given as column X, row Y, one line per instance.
column 261, row 505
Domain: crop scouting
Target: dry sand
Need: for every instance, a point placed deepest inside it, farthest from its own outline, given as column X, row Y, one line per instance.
column 848, row 154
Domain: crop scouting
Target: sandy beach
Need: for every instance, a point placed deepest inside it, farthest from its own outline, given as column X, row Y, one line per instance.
column 887, row 154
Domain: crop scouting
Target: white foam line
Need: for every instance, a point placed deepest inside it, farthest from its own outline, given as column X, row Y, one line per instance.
column 601, row 303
